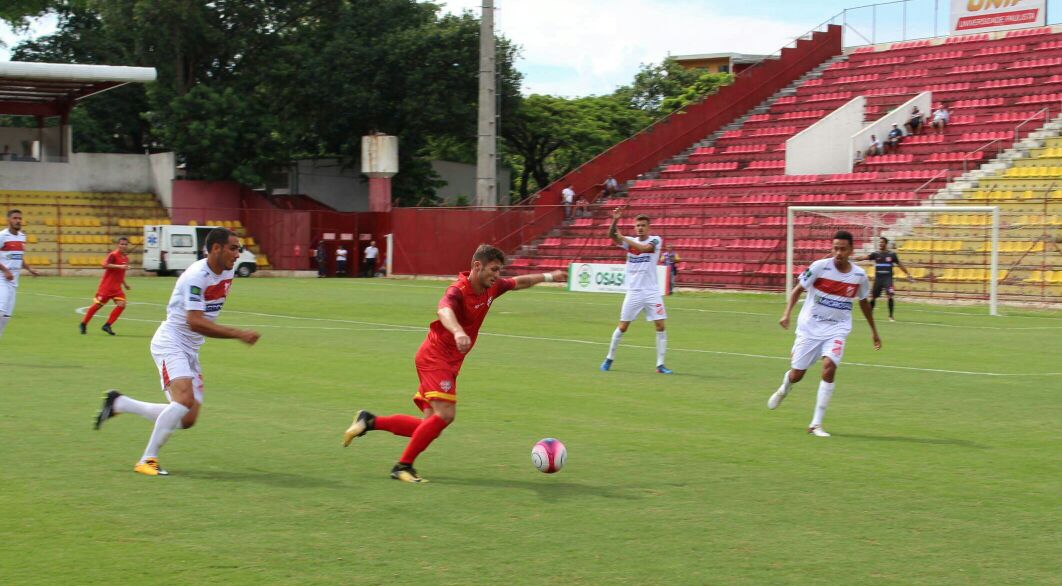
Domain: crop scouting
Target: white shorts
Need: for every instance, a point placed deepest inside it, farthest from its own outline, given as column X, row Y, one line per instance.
column 174, row 364
column 636, row 301
column 807, row 351
column 7, row 298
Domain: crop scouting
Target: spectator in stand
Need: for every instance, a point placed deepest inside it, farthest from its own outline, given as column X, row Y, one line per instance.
column 876, row 146
column 568, row 198
column 368, row 265
column 941, row 118
column 858, row 159
column 582, row 208
column 671, row 260
column 892, row 142
column 611, row 186
column 914, row 123
column 341, row 260
column 319, row 256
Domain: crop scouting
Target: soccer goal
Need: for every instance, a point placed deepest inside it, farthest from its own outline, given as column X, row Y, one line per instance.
column 950, row 252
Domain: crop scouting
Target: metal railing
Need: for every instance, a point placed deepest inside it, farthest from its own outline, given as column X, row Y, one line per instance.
column 1046, row 111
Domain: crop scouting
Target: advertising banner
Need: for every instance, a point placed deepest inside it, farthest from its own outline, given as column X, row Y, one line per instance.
column 984, row 16
column 606, row 278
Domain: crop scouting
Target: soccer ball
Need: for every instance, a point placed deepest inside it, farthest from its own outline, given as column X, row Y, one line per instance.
column 549, row 455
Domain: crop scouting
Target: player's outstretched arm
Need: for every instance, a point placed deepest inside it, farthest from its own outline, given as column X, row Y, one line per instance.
column 448, row 319
column 791, row 302
column 525, row 281
column 199, row 324
column 868, row 313
column 613, row 231
column 904, row 269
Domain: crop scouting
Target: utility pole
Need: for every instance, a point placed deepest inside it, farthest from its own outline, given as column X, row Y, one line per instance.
column 486, row 149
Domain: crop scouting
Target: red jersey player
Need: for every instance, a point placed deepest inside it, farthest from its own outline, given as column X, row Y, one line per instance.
column 110, row 288
column 461, row 313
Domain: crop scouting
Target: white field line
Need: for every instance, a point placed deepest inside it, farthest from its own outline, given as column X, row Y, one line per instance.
column 406, row 328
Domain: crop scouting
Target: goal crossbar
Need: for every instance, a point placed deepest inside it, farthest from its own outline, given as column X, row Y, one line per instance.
column 994, row 259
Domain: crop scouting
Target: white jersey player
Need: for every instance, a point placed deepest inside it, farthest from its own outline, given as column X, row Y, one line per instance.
column 832, row 284
column 643, row 288
column 12, row 261
column 194, row 306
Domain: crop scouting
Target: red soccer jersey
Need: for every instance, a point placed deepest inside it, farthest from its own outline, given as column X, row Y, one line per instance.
column 471, row 309
column 113, row 278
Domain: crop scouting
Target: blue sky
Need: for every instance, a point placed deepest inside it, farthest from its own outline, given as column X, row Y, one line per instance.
column 581, row 47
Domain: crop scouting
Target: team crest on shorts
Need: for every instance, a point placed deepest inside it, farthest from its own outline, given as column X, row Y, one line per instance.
column 446, row 385
column 659, row 308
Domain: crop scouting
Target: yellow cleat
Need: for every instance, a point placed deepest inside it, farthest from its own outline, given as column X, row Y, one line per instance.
column 363, row 423
column 406, row 473
column 150, row 467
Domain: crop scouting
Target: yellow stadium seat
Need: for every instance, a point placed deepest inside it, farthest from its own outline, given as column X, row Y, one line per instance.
column 249, row 241
column 1055, row 278
column 237, row 225
column 193, row 223
column 1034, row 277
column 32, row 238
column 262, row 260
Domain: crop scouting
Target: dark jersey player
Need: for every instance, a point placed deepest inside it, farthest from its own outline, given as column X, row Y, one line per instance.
column 110, row 288
column 461, row 312
column 884, row 259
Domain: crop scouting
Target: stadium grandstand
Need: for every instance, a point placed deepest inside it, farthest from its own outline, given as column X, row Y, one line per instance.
column 721, row 198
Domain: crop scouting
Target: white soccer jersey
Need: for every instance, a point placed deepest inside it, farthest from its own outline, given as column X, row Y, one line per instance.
column 12, row 248
column 198, row 289
column 641, row 266
column 827, row 310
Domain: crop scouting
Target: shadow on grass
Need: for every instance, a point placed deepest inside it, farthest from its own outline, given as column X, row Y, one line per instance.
column 914, row 440
column 263, row 477
column 546, row 489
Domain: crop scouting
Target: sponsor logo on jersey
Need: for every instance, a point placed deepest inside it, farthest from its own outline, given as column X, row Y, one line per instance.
column 446, row 385
column 838, row 288
column 640, row 258
column 833, row 303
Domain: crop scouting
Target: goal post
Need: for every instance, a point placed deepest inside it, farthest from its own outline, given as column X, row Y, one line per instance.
column 919, row 228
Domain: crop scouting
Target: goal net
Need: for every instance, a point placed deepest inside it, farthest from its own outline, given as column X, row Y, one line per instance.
column 949, row 252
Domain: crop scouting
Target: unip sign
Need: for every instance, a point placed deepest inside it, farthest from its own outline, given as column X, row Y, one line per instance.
column 982, row 16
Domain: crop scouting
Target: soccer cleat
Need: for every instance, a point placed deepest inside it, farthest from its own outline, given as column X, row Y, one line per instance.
column 776, row 398
column 150, row 467
column 817, row 431
column 663, row 370
column 892, row 318
column 607, row 364
column 81, row 328
column 363, row 422
column 107, row 409
column 406, row 473
column 107, row 328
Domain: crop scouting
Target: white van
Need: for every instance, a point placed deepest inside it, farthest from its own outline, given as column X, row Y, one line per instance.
column 171, row 249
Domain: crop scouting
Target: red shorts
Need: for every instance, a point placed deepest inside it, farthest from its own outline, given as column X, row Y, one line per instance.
column 437, row 383
column 102, row 296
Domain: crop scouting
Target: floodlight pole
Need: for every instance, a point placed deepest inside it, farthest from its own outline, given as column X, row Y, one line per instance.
column 486, row 151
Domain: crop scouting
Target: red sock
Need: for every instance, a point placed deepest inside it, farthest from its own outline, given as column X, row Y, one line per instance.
column 114, row 314
column 91, row 312
column 403, row 425
column 426, row 433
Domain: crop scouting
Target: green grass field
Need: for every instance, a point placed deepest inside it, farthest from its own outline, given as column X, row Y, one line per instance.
column 944, row 467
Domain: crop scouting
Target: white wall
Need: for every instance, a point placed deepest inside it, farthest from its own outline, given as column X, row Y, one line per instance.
column 88, row 172
column 163, row 167
column 880, row 128
column 824, row 147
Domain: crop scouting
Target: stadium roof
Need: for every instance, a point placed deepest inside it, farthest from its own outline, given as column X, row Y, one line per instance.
column 734, row 57
column 51, row 89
